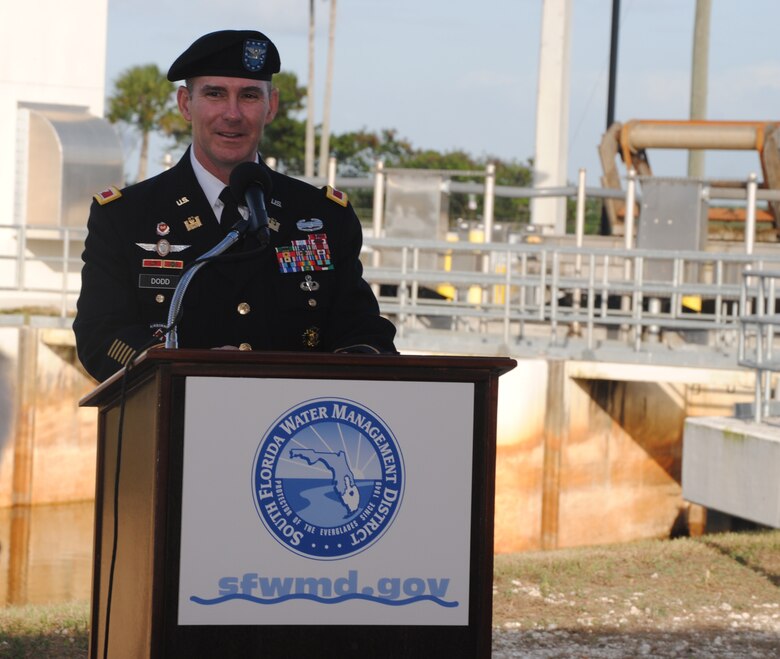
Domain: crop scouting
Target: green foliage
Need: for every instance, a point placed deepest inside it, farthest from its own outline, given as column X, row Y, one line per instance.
column 285, row 136
column 176, row 127
column 357, row 152
column 143, row 99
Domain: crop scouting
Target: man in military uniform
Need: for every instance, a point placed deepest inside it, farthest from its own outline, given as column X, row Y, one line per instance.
column 304, row 291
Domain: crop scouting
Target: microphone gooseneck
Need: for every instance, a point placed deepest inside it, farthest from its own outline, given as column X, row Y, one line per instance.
column 250, row 181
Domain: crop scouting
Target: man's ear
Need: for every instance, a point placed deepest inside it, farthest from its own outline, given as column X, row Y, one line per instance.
column 273, row 106
column 183, row 101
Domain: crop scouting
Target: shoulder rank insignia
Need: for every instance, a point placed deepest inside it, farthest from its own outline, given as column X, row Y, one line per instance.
column 109, row 194
column 338, row 196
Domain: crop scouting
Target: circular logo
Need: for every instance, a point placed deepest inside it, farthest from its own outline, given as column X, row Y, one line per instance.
column 328, row 478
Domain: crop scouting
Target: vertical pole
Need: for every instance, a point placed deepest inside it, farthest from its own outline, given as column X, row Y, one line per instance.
column 488, row 211
column 308, row 165
column 552, row 116
column 65, row 274
column 613, row 56
column 325, row 137
column 22, row 474
column 487, row 217
column 379, row 196
column 630, row 203
column 625, row 303
column 579, row 227
column 699, row 67
column 556, row 421
column 611, row 86
column 579, row 236
column 750, row 213
column 332, row 172
column 21, row 493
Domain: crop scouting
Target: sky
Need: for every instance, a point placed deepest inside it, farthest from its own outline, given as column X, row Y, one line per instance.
column 462, row 74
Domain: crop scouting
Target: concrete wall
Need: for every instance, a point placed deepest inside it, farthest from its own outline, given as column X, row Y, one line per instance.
column 587, row 453
column 591, row 453
column 48, row 445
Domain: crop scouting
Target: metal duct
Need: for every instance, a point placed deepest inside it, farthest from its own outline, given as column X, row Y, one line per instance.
column 70, row 155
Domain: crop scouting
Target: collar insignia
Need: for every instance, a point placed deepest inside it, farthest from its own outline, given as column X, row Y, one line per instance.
column 192, row 222
column 338, row 196
column 107, row 195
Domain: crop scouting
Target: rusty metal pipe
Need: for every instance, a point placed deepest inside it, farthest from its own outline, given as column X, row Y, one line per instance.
column 742, row 135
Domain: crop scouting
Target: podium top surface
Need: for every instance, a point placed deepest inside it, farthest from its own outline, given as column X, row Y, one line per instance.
column 221, row 363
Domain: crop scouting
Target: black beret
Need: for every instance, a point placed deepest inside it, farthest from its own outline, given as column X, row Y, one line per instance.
column 229, row 53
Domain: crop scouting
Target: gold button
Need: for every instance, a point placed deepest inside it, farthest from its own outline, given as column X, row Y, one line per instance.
column 243, row 308
column 160, row 298
column 245, row 346
column 312, row 302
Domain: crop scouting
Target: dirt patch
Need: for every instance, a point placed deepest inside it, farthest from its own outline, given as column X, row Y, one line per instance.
column 718, row 595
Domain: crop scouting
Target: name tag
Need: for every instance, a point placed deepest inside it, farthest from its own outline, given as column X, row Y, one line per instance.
column 158, row 281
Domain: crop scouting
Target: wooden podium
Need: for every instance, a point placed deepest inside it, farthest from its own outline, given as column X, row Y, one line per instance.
column 295, row 505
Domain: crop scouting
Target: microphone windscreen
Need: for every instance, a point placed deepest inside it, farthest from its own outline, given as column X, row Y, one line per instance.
column 249, row 173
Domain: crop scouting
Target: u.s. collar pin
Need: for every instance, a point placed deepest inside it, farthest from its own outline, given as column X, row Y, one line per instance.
column 308, row 284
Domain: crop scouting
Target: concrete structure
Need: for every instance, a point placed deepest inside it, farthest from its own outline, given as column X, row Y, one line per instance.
column 733, row 466
column 588, row 452
column 53, row 52
column 552, row 115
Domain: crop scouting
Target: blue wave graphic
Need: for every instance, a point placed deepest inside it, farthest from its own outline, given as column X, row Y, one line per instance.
column 323, row 600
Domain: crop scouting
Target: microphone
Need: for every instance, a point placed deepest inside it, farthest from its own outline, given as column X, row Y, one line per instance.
column 251, row 181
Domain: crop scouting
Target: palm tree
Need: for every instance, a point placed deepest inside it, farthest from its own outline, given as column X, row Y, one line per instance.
column 143, row 99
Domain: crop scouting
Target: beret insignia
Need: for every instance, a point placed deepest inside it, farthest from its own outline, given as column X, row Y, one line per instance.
column 338, row 196
column 105, row 196
column 254, row 54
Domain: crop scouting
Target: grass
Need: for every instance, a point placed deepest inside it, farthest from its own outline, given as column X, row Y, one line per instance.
column 650, row 584
column 52, row 630
column 701, row 583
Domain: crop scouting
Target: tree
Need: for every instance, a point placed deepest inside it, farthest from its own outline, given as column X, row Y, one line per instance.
column 143, row 99
column 284, row 138
column 356, row 152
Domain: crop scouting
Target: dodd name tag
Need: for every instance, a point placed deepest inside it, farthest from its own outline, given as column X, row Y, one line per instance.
column 158, row 281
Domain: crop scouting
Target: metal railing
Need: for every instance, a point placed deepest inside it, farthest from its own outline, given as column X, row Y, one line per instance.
column 504, row 292
column 42, row 264
column 589, row 291
column 758, row 324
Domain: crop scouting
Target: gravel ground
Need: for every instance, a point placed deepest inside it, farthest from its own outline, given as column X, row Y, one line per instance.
column 709, row 632
column 605, row 644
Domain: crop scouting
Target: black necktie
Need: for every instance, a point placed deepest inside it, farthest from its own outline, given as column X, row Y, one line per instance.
column 230, row 214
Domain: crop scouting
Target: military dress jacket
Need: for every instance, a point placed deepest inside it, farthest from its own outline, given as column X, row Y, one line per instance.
column 304, row 291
